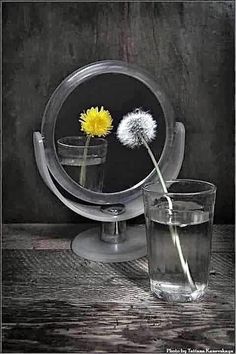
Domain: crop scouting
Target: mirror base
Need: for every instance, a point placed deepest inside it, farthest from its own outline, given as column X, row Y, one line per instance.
column 89, row 245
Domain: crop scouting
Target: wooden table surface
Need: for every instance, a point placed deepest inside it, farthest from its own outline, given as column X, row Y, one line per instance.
column 57, row 302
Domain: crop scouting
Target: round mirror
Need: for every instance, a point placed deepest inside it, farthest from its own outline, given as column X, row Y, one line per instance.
column 114, row 173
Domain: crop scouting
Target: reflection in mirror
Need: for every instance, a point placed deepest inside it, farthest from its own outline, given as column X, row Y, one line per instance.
column 119, row 168
column 85, row 165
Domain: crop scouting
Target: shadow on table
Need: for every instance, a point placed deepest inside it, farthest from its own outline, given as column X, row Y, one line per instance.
column 135, row 272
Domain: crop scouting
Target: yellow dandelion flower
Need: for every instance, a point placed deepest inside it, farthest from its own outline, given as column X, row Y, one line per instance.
column 96, row 122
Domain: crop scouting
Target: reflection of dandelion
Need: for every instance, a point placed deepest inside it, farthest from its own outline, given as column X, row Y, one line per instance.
column 94, row 122
column 139, row 128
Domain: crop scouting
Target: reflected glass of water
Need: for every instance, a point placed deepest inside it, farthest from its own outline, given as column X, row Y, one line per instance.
column 73, row 157
column 179, row 233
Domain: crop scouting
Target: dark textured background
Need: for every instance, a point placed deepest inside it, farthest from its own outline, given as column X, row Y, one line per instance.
column 187, row 47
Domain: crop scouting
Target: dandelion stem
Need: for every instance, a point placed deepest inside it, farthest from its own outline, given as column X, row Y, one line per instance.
column 83, row 165
column 173, row 231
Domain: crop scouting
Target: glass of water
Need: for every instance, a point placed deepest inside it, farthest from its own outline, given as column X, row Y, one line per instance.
column 179, row 233
column 72, row 156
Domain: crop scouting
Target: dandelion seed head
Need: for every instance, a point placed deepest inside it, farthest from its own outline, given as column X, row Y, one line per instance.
column 135, row 124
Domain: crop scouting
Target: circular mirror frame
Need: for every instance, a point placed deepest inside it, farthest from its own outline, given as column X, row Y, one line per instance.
column 53, row 107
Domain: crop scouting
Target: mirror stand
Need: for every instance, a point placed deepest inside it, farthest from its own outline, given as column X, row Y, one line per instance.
column 113, row 241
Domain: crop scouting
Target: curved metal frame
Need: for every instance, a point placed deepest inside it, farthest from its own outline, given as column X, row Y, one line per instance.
column 134, row 207
column 49, row 121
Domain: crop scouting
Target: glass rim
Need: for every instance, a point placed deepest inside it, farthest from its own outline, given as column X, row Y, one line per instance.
column 212, row 188
column 103, row 142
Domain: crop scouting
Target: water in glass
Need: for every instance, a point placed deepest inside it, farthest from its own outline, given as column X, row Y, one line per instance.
column 94, row 171
column 193, row 227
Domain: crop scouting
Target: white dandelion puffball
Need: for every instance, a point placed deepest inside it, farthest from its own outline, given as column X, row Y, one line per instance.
column 134, row 125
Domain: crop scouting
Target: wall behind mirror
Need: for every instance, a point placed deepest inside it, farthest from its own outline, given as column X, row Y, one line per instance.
column 188, row 47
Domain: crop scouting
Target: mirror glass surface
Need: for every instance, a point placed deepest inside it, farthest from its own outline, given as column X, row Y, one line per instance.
column 119, row 93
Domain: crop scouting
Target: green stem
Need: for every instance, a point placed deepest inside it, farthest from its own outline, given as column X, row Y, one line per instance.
column 173, row 230
column 83, row 166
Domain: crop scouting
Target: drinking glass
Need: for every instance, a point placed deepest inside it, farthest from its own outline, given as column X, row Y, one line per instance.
column 179, row 232
column 74, row 158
